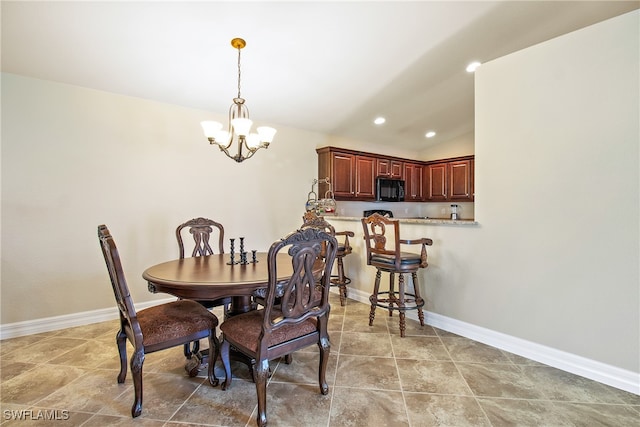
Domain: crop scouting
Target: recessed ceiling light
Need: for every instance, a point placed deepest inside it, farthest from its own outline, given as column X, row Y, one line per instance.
column 430, row 134
column 473, row 67
column 379, row 120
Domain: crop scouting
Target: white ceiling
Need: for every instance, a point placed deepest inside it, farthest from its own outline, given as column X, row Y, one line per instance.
column 316, row 65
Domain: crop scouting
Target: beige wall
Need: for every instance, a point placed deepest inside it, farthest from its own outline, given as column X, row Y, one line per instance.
column 74, row 158
column 557, row 195
column 555, row 257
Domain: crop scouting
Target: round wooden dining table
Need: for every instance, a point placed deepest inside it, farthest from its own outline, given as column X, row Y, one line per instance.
column 210, row 277
column 207, row 278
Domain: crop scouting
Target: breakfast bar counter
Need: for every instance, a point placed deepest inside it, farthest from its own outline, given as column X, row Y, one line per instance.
column 411, row 220
column 450, row 245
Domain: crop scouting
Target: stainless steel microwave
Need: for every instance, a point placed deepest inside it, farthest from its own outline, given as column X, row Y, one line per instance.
column 389, row 190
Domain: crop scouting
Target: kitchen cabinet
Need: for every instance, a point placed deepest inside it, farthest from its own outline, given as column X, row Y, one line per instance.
column 389, row 168
column 450, row 180
column 461, row 180
column 414, row 182
column 341, row 175
column 437, row 182
column 365, row 179
column 352, row 175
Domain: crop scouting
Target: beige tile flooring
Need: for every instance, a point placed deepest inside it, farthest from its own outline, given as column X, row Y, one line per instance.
column 376, row 378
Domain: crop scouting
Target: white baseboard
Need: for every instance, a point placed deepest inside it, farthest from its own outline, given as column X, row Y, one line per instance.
column 597, row 371
column 48, row 324
column 606, row 374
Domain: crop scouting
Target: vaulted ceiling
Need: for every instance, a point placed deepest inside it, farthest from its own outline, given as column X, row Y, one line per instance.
column 324, row 66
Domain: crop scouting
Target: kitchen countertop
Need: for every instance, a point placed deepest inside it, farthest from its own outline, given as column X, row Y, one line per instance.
column 413, row 220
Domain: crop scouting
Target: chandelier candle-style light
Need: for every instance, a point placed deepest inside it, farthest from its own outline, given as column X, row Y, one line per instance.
column 239, row 125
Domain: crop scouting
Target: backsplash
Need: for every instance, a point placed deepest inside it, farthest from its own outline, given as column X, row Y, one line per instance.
column 406, row 209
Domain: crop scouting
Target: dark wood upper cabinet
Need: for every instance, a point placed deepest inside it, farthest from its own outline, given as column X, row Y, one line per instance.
column 461, row 180
column 389, row 168
column 414, row 182
column 365, row 178
column 353, row 176
column 437, row 182
column 450, row 180
column 342, row 174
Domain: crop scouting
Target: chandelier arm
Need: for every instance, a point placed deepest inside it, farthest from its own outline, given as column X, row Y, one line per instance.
column 239, row 156
column 225, row 151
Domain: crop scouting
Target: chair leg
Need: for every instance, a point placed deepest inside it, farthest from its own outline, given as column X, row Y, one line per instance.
column 260, row 376
column 189, row 350
column 325, row 349
column 374, row 297
column 224, row 355
column 401, row 305
column 137, row 360
column 192, row 366
column 419, row 300
column 392, row 292
column 121, row 342
column 214, row 352
column 342, row 286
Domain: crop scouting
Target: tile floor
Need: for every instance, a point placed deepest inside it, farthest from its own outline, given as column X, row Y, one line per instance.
column 376, row 378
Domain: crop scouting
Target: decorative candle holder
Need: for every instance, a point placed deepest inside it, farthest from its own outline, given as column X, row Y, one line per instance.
column 232, row 254
column 253, row 256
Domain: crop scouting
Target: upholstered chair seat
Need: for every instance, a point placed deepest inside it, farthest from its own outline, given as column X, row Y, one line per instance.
column 246, row 329
column 171, row 322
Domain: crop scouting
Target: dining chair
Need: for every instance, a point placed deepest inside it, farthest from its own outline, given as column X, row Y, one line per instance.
column 311, row 219
column 203, row 232
column 297, row 321
column 155, row 328
column 384, row 252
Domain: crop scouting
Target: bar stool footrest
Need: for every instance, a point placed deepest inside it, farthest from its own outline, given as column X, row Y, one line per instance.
column 335, row 281
column 393, row 302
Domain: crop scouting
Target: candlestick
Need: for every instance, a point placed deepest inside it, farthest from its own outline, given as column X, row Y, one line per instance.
column 232, row 261
column 253, row 256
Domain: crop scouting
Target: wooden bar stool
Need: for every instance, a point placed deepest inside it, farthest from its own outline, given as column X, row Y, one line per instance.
column 311, row 219
column 384, row 253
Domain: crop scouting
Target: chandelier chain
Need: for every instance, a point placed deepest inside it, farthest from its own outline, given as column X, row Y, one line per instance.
column 239, row 73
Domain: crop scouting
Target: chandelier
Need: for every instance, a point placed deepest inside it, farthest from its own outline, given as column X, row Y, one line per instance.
column 239, row 128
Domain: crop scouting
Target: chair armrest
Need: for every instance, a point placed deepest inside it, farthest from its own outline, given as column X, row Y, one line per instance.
column 423, row 241
column 346, row 235
column 423, row 253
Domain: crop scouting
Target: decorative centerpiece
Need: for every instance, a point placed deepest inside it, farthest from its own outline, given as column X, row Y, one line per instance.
column 326, row 206
column 243, row 254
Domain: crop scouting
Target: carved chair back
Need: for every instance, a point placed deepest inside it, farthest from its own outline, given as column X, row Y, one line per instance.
column 311, row 219
column 119, row 284
column 383, row 244
column 302, row 296
column 201, row 230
